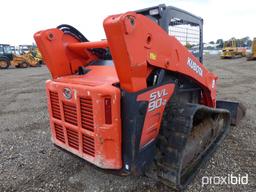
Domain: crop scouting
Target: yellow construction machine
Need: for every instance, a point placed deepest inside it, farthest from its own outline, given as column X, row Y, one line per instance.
column 25, row 60
column 31, row 53
column 8, row 58
column 232, row 49
column 252, row 55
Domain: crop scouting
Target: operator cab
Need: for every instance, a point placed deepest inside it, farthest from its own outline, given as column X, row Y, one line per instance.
column 5, row 49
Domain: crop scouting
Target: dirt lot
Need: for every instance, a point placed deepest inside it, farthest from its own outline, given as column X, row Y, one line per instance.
column 30, row 162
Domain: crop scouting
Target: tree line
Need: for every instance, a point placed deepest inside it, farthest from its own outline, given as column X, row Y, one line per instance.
column 243, row 42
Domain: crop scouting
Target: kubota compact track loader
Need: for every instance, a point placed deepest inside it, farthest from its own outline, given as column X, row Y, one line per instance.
column 138, row 102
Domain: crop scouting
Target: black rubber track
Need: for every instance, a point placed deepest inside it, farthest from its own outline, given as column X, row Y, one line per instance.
column 179, row 120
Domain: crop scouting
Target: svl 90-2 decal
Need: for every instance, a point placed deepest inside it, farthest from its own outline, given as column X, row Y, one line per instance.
column 157, row 99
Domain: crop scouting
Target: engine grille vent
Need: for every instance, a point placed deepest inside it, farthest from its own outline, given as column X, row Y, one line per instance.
column 59, row 132
column 88, row 145
column 72, row 138
column 70, row 114
column 87, row 114
column 54, row 99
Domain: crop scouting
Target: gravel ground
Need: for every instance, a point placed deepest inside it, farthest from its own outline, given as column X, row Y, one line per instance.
column 30, row 162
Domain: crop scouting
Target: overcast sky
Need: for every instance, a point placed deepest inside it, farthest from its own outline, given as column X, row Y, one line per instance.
column 20, row 19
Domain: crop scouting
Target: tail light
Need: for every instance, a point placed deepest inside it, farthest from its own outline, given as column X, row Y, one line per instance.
column 108, row 111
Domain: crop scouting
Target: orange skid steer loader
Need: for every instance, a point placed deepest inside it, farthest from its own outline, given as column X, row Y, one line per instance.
column 138, row 102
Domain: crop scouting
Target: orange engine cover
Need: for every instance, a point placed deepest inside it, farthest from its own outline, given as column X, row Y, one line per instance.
column 77, row 116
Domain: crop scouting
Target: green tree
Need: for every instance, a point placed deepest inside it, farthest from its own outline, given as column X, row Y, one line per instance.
column 246, row 41
column 220, row 42
column 188, row 45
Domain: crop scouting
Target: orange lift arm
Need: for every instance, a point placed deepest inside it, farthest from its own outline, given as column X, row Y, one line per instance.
column 62, row 53
column 137, row 44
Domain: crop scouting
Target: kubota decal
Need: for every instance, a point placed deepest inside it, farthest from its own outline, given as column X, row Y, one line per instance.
column 195, row 67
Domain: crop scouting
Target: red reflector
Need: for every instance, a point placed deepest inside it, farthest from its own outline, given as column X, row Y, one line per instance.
column 108, row 113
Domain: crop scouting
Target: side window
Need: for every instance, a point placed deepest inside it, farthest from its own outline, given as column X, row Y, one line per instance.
column 188, row 34
column 7, row 49
column 1, row 50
